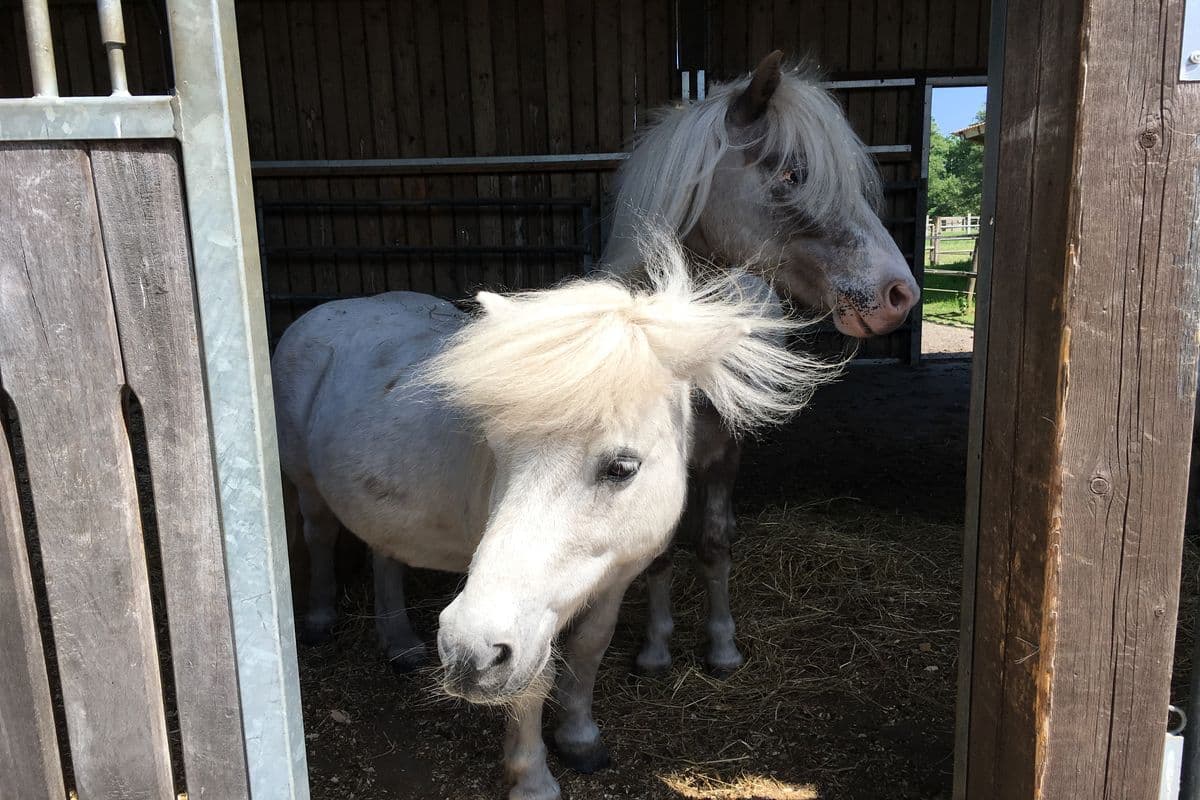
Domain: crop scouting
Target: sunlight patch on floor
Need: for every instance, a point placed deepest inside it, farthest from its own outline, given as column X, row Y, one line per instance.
column 744, row 787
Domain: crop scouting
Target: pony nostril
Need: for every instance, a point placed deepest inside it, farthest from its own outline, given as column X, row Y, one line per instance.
column 899, row 297
column 503, row 655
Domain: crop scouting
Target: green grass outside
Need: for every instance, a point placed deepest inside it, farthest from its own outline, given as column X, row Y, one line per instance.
column 944, row 301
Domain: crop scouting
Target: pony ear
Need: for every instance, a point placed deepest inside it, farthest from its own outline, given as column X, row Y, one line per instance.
column 750, row 105
column 493, row 303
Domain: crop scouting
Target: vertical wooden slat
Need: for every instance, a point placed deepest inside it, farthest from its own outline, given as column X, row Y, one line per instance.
column 62, row 367
column 361, row 276
column 433, row 117
column 582, row 68
column 558, row 118
column 532, row 66
column 386, row 132
column 140, row 197
column 409, row 112
column 336, row 274
column 1089, row 403
column 460, row 140
column 30, row 767
column 967, row 15
column 940, row 48
column 256, row 85
column 483, row 123
column 836, row 36
column 660, row 54
column 761, row 33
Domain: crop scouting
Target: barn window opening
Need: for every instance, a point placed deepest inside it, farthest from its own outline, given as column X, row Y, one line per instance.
column 954, row 201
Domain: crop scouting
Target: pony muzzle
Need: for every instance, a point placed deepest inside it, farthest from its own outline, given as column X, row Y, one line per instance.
column 488, row 663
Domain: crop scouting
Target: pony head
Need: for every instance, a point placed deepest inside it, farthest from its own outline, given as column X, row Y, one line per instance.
column 584, row 394
column 767, row 173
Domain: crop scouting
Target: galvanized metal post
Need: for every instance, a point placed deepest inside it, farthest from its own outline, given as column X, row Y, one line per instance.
column 216, row 168
column 41, row 48
column 112, row 33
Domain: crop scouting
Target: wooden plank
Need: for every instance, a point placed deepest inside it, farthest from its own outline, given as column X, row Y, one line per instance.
column 456, row 68
column 508, row 120
column 335, row 275
column 558, row 123
column 483, row 117
column 860, row 105
column 363, row 277
column 405, row 84
column 835, row 42
column 808, row 30
column 436, row 143
column 738, row 60
column 256, row 85
column 385, row 132
column 760, row 33
column 967, row 22
column 940, row 47
column 62, row 367
column 140, row 198
column 1089, row 404
column 914, row 37
column 584, row 119
column 30, row 767
column 532, row 65
column 660, row 57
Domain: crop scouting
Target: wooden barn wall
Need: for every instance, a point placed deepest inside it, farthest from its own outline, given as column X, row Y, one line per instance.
column 335, row 79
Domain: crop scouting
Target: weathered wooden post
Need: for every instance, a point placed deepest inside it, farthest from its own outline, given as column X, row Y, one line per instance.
column 1082, row 404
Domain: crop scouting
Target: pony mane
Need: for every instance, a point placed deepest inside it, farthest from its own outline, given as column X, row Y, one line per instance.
column 597, row 352
column 668, row 176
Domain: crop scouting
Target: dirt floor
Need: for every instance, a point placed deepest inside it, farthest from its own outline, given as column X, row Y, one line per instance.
column 846, row 594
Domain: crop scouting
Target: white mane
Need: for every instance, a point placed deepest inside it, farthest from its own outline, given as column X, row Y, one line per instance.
column 667, row 178
column 596, row 352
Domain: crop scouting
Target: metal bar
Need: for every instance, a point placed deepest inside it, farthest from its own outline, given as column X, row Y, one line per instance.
column 229, row 298
column 944, row 81
column 405, row 249
column 74, row 118
column 869, row 83
column 41, row 48
column 473, row 202
column 373, row 167
column 951, row 272
column 112, row 33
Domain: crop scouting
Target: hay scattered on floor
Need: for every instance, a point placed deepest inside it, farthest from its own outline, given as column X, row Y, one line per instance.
column 744, row 787
column 847, row 617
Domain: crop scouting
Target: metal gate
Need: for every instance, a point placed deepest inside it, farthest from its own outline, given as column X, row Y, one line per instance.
column 145, row 613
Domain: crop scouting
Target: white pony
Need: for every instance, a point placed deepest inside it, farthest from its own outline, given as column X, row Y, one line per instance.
column 541, row 447
column 765, row 174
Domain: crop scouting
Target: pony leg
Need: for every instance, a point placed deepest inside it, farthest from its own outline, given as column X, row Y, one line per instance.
column 716, row 538
column 320, row 536
column 525, row 752
column 655, row 655
column 577, row 737
column 404, row 649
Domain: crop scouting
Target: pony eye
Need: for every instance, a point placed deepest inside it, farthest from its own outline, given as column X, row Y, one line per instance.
column 620, row 469
column 793, row 177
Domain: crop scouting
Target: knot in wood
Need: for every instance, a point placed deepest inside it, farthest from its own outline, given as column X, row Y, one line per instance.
column 1100, row 485
column 1148, row 138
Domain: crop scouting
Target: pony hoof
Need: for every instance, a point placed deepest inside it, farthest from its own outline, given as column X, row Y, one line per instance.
column 585, row 760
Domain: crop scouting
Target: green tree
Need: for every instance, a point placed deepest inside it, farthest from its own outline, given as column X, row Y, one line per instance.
column 955, row 174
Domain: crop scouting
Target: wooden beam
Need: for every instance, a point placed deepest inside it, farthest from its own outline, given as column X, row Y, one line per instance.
column 1083, row 430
